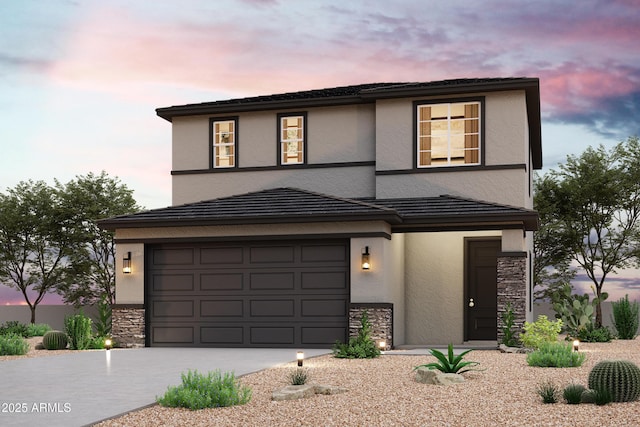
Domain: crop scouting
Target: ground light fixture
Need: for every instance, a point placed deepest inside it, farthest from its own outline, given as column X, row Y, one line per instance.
column 300, row 357
column 126, row 264
column 366, row 263
column 108, row 344
column 382, row 345
column 576, row 345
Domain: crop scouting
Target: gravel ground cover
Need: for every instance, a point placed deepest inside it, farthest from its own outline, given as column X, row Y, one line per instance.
column 382, row 392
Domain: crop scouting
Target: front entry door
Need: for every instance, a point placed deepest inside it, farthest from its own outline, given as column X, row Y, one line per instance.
column 481, row 293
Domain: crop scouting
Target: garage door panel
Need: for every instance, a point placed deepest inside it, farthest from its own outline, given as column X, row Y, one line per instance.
column 324, row 308
column 172, row 308
column 272, row 308
column 221, row 335
column 272, row 335
column 272, row 254
column 324, row 280
column 324, row 253
column 262, row 294
column 221, row 281
column 224, row 308
column 267, row 281
column 173, row 256
column 313, row 336
column 221, row 256
column 173, row 335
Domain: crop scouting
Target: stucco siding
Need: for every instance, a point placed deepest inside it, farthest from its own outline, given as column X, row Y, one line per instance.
column 190, row 146
column 353, row 181
column 434, row 283
column 498, row 186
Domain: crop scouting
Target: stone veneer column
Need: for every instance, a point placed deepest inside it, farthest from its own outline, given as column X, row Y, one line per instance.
column 512, row 287
column 380, row 316
column 128, row 325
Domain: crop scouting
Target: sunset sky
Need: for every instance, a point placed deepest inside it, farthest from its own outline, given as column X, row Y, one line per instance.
column 80, row 80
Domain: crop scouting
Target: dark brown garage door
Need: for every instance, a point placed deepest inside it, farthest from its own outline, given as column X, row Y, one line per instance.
column 250, row 294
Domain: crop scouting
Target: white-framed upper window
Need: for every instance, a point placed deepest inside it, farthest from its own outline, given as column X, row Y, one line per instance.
column 224, row 143
column 448, row 134
column 291, row 137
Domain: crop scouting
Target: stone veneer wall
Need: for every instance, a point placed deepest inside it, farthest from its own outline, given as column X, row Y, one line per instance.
column 512, row 287
column 381, row 318
column 127, row 325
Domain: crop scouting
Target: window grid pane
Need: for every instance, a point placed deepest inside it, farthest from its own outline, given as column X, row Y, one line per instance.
column 292, row 140
column 448, row 134
column 224, row 141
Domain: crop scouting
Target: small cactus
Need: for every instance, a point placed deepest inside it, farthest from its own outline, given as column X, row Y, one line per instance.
column 54, row 340
column 620, row 377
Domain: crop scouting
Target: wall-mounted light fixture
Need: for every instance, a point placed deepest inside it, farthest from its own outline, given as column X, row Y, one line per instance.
column 366, row 264
column 300, row 357
column 126, row 263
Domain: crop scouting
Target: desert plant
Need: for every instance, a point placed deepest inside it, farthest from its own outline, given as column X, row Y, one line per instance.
column 14, row 327
column 625, row 318
column 78, row 329
column 573, row 393
column 199, row 391
column 509, row 335
column 54, row 340
column 541, row 331
column 621, row 378
column 576, row 311
column 12, row 344
column 102, row 322
column 548, row 391
column 555, row 355
column 592, row 334
column 37, row 329
column 600, row 396
column 299, row 376
column 450, row 364
column 360, row 347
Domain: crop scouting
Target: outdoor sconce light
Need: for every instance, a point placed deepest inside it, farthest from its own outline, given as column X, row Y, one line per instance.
column 576, row 345
column 107, row 344
column 126, row 264
column 366, row 265
column 300, row 357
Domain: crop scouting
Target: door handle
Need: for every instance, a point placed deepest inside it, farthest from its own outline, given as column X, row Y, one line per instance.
column 471, row 303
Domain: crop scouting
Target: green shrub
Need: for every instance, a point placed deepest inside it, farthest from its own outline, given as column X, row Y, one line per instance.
column 548, row 392
column 573, row 393
column 450, row 364
column 97, row 342
column 102, row 322
column 541, row 331
column 299, row 376
column 576, row 311
column 592, row 334
column 14, row 327
column 601, row 396
column 509, row 337
column 78, row 329
column 13, row 345
column 360, row 347
column 54, row 340
column 625, row 318
column 37, row 329
column 620, row 378
column 555, row 355
column 199, row 391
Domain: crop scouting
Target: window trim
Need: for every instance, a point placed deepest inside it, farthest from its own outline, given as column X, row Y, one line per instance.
column 280, row 116
column 212, row 151
column 481, row 141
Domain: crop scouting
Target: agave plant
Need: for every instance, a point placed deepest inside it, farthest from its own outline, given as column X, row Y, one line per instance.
column 450, row 364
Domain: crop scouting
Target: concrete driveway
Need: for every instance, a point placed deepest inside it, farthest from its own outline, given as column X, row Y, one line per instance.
column 82, row 388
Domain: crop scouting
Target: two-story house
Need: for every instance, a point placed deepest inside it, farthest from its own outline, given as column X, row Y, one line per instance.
column 294, row 212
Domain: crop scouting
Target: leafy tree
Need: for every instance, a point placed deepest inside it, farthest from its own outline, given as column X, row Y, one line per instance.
column 596, row 200
column 34, row 245
column 88, row 199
